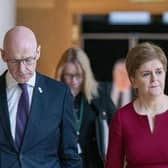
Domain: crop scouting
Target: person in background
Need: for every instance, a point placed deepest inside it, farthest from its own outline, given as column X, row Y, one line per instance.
column 121, row 90
column 138, row 131
column 91, row 103
column 36, row 112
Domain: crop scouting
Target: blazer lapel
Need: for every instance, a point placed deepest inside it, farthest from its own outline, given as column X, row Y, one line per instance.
column 4, row 113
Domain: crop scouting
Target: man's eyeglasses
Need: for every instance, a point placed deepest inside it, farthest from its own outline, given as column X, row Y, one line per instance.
column 25, row 61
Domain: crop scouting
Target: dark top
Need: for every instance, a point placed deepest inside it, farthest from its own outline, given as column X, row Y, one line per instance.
column 50, row 136
column 89, row 144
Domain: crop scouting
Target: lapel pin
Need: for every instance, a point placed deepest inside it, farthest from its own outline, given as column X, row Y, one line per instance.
column 40, row 90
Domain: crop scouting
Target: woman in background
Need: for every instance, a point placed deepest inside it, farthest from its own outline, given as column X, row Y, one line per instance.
column 91, row 101
column 138, row 131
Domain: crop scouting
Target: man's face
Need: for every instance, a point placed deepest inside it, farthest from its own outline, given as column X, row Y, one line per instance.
column 120, row 76
column 21, row 61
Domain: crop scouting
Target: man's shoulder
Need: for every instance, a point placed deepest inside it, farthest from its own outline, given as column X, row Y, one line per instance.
column 2, row 76
column 50, row 81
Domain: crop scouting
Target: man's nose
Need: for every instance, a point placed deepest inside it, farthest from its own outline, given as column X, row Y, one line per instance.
column 21, row 66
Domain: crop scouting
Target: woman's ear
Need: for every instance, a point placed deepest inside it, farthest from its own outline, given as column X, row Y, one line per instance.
column 133, row 82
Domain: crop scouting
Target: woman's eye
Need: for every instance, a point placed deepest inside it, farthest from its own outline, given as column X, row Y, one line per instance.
column 146, row 74
column 158, row 72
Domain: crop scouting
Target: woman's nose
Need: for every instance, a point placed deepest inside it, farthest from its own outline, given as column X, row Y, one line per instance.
column 154, row 76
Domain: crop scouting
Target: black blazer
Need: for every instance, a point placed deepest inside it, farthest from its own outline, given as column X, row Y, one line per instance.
column 50, row 137
column 88, row 140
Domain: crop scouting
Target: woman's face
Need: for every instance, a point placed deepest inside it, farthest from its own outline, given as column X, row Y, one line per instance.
column 150, row 79
column 73, row 77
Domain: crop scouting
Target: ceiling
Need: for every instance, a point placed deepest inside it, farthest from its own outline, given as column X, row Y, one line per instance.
column 100, row 6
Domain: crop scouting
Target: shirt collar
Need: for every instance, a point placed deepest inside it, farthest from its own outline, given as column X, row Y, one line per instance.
column 11, row 82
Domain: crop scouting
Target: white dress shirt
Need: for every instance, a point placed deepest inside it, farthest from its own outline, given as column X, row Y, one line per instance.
column 13, row 96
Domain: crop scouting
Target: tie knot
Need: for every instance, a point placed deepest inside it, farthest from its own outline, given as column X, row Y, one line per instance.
column 23, row 86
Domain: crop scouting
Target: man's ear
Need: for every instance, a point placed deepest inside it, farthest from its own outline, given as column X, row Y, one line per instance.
column 2, row 54
column 38, row 52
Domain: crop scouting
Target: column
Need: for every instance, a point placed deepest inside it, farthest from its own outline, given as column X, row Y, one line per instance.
column 7, row 21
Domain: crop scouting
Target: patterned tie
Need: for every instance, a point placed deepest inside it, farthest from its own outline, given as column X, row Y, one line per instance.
column 22, row 115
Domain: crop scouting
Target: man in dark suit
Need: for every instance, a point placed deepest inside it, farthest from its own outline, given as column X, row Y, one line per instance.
column 42, row 135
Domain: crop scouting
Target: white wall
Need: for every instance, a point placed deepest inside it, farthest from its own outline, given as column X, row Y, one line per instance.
column 7, row 21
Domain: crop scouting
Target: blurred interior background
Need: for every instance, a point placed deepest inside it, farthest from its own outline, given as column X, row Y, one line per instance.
column 105, row 29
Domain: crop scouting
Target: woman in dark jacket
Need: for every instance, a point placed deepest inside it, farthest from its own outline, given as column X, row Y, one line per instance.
column 93, row 107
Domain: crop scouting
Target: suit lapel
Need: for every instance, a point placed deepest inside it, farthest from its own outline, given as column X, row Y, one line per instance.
column 4, row 113
column 36, row 112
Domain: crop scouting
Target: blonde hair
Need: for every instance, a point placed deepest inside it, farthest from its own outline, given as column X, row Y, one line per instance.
column 78, row 57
